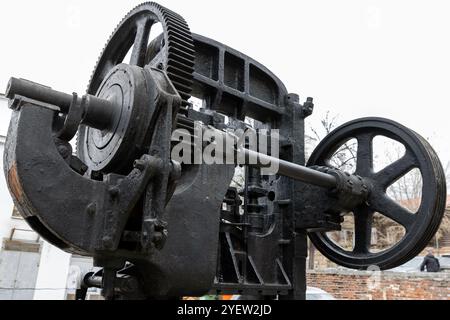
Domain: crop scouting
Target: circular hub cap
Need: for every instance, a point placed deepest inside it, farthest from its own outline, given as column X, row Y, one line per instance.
column 109, row 150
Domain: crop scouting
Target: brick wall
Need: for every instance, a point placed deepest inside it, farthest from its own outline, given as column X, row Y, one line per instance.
column 366, row 285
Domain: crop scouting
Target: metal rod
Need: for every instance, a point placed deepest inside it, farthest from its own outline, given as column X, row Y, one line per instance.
column 38, row 92
column 292, row 170
column 97, row 113
column 94, row 282
column 260, row 160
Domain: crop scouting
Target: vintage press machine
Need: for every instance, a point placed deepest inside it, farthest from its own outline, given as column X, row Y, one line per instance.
column 159, row 228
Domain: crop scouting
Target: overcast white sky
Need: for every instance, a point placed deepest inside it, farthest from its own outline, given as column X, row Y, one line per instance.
column 356, row 58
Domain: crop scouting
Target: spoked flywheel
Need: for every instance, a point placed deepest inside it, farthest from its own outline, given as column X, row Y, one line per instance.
column 419, row 227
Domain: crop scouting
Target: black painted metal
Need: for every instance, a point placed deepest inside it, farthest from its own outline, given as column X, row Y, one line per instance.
column 95, row 112
column 236, row 85
column 160, row 229
column 295, row 171
column 174, row 51
column 38, row 92
column 420, row 226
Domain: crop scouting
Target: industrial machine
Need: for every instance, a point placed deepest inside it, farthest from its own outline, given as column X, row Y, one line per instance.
column 159, row 227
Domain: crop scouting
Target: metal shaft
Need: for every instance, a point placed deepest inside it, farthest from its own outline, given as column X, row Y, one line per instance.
column 38, row 92
column 260, row 160
column 292, row 170
column 98, row 113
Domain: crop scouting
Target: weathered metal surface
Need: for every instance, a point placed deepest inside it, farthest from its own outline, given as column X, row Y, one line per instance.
column 161, row 229
column 420, row 226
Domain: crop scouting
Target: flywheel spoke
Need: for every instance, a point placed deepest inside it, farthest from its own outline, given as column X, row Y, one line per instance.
column 364, row 161
column 363, row 230
column 396, row 170
column 391, row 209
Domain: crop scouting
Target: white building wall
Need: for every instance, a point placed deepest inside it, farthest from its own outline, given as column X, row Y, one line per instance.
column 5, row 115
column 54, row 264
column 7, row 224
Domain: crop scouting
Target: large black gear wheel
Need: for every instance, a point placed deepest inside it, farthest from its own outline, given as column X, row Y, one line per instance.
column 178, row 56
column 420, row 226
column 172, row 52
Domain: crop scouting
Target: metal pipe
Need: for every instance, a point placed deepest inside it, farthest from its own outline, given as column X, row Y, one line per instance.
column 38, row 92
column 291, row 170
column 97, row 113
column 260, row 160
column 94, row 282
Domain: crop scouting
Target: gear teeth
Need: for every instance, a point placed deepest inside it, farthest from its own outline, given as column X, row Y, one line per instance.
column 180, row 49
column 181, row 42
column 180, row 33
column 177, row 64
column 181, row 52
